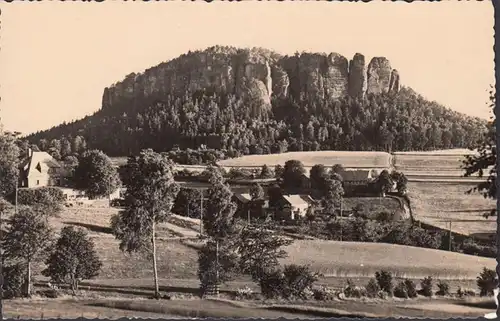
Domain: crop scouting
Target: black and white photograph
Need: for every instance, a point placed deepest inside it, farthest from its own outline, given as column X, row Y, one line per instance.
column 302, row 160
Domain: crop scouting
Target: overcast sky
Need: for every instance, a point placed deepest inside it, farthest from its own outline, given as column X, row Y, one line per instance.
column 57, row 57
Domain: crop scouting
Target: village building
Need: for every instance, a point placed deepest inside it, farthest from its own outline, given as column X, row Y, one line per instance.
column 296, row 206
column 247, row 208
column 357, row 177
column 39, row 170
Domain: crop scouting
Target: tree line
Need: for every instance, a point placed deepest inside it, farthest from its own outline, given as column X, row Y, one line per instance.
column 223, row 123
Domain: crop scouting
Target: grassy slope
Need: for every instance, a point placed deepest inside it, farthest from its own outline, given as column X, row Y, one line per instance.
column 435, row 204
column 364, row 259
column 178, row 261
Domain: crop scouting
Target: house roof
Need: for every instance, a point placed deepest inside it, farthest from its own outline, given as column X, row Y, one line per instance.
column 243, row 197
column 356, row 175
column 297, row 200
column 38, row 162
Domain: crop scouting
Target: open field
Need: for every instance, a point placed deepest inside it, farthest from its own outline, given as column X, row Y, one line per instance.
column 327, row 158
column 343, row 259
column 178, row 260
column 438, row 203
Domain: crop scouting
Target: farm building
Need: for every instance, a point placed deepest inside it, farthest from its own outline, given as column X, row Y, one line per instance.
column 295, row 206
column 40, row 169
column 247, row 207
column 357, row 177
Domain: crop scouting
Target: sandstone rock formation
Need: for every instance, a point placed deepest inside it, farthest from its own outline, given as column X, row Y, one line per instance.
column 378, row 75
column 357, row 76
column 258, row 74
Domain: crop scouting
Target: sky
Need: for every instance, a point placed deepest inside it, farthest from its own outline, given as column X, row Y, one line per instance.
column 56, row 57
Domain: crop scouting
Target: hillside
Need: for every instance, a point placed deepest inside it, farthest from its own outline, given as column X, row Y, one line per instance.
column 259, row 102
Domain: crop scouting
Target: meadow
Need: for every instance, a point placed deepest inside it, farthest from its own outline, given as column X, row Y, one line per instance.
column 328, row 158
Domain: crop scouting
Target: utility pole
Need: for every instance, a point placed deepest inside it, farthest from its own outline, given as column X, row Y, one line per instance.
column 248, row 213
column 341, row 219
column 449, row 239
column 201, row 214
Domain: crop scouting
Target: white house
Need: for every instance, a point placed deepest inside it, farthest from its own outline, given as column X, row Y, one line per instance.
column 297, row 205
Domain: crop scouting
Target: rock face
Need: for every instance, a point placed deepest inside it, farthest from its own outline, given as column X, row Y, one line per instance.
column 258, row 74
column 357, row 76
column 379, row 75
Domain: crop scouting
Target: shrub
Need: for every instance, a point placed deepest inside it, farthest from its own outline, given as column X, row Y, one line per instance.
column 272, row 284
column 372, row 289
column 400, row 290
column 298, row 279
column 295, row 281
column 444, row 288
column 354, row 291
column 14, row 281
column 324, row 294
column 51, row 199
column 411, row 288
column 465, row 292
column 384, row 280
column 426, row 285
column 472, row 248
column 384, row 217
column 487, row 281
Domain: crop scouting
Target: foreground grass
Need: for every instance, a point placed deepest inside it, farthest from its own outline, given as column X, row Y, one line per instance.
column 114, row 308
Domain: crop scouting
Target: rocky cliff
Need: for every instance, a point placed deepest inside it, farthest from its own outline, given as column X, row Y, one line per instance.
column 258, row 73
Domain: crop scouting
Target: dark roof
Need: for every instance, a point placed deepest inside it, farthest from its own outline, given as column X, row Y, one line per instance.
column 356, row 175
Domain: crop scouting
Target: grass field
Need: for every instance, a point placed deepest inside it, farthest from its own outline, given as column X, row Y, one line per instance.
column 327, row 158
column 437, row 203
column 343, row 259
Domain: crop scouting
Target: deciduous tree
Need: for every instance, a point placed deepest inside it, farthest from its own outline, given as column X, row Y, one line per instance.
column 96, row 175
column 150, row 195
column 73, row 258
column 27, row 238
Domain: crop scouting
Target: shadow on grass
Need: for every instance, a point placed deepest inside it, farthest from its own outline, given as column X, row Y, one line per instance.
column 143, row 291
column 91, row 227
column 487, row 303
column 219, row 309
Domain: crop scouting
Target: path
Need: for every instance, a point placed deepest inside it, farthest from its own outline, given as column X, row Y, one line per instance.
column 181, row 230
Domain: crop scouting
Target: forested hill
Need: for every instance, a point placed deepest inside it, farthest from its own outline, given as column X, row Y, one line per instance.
column 256, row 101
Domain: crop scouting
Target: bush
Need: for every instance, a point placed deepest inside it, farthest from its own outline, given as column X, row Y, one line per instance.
column 400, row 290
column 487, row 281
column 50, row 198
column 14, row 281
column 465, row 292
column 294, row 281
column 384, row 217
column 324, row 294
column 472, row 248
column 372, row 289
column 298, row 279
column 384, row 280
column 426, row 285
column 272, row 284
column 444, row 288
column 411, row 288
column 354, row 291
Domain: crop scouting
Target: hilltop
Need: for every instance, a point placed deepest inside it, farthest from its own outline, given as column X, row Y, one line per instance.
column 255, row 101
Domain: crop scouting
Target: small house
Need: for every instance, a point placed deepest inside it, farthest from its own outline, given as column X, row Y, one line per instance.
column 40, row 169
column 296, row 206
